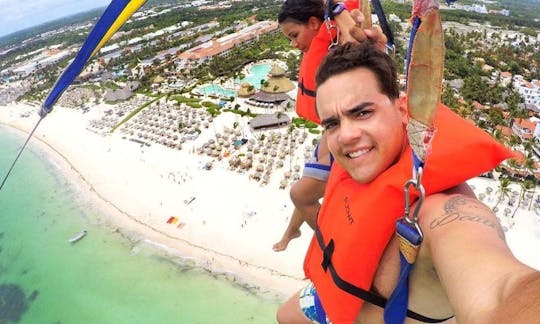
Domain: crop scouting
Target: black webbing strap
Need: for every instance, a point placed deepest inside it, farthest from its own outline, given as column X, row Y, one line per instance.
column 306, row 91
column 363, row 294
column 383, row 22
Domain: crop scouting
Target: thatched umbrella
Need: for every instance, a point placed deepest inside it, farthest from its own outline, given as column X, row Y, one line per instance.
column 277, row 81
column 246, row 90
column 283, row 184
column 234, row 162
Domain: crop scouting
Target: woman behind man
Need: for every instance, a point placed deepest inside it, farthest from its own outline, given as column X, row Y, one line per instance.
column 302, row 22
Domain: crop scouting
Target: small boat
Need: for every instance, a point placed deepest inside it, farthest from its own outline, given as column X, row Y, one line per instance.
column 189, row 200
column 77, row 237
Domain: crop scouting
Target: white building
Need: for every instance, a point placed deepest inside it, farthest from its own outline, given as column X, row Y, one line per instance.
column 529, row 91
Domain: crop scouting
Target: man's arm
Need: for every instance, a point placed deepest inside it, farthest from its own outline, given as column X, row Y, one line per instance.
column 483, row 280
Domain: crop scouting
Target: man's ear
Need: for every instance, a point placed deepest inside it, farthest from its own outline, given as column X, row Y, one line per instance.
column 314, row 23
column 401, row 104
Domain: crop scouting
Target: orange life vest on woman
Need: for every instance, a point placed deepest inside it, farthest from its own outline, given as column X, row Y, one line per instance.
column 356, row 221
column 305, row 97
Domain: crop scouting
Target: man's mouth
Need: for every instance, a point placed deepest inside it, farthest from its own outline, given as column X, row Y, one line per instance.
column 358, row 153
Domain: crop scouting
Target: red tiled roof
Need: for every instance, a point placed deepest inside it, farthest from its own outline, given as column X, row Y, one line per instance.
column 506, row 131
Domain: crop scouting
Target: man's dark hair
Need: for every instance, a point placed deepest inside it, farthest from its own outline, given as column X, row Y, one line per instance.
column 348, row 57
column 299, row 11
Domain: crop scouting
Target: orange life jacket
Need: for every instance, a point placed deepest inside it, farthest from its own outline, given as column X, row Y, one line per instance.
column 305, row 97
column 356, row 221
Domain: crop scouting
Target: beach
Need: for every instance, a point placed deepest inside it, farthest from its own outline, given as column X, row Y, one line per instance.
column 225, row 221
column 229, row 227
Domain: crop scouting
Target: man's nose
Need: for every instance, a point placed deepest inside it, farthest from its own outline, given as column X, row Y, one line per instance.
column 348, row 131
column 294, row 43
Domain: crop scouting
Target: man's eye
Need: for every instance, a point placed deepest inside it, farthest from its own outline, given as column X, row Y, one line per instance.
column 363, row 113
column 329, row 125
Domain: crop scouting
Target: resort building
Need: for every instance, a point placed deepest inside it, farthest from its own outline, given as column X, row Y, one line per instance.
column 222, row 46
column 265, row 121
column 529, row 91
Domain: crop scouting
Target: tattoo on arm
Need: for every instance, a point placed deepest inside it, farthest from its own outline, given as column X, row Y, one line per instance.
column 464, row 209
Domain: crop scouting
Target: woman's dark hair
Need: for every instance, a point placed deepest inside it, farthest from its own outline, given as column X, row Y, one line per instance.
column 350, row 56
column 299, row 11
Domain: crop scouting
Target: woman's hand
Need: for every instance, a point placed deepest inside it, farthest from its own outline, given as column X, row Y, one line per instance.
column 352, row 29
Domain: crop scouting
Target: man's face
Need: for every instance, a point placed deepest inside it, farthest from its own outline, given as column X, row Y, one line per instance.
column 301, row 35
column 365, row 129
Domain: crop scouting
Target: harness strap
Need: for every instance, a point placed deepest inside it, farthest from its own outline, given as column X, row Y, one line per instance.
column 415, row 25
column 390, row 44
column 363, row 294
column 409, row 245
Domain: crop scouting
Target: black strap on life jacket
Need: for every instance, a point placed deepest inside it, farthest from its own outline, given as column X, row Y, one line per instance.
column 363, row 294
column 305, row 90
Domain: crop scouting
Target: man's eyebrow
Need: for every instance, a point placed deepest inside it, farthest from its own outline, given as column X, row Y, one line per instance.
column 329, row 120
column 358, row 108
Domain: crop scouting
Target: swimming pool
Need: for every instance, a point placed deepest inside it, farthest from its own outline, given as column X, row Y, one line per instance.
column 257, row 73
column 214, row 89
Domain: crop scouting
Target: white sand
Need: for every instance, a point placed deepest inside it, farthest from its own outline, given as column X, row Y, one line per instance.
column 523, row 229
column 233, row 222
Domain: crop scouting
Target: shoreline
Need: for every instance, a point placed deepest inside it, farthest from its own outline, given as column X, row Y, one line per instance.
column 253, row 273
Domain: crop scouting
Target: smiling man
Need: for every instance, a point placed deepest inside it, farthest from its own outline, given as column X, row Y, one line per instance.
column 464, row 272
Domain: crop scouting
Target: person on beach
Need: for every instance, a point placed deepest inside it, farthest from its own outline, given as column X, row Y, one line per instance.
column 464, row 271
column 302, row 21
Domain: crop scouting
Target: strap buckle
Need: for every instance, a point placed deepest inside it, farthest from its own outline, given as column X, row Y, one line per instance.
column 390, row 50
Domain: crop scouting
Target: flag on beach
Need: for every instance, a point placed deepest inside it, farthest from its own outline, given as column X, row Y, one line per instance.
column 112, row 19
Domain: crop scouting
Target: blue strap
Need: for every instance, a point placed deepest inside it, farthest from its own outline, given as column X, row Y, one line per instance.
column 409, row 242
column 415, row 25
column 417, row 163
column 319, row 309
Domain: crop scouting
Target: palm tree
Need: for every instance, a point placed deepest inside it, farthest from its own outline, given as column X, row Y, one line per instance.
column 514, row 165
column 524, row 186
column 504, row 190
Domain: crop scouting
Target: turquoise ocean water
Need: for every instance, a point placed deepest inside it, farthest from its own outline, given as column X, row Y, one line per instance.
column 104, row 278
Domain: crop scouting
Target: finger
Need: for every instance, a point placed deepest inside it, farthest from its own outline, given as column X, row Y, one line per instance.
column 376, row 34
column 357, row 16
column 358, row 34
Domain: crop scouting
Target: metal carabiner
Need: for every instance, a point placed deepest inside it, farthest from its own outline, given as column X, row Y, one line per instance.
column 413, row 221
column 329, row 27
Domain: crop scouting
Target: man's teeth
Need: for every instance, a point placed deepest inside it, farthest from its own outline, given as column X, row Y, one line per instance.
column 357, row 153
